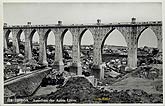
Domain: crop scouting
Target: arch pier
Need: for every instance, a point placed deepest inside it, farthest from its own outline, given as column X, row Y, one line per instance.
column 130, row 30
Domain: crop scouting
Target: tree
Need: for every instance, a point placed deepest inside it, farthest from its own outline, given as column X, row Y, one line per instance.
column 34, row 51
column 66, row 55
column 10, row 44
column 155, row 51
column 51, row 48
column 22, row 46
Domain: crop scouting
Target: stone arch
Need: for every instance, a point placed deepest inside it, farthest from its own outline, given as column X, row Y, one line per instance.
column 19, row 34
column 64, row 33
column 7, row 33
column 62, row 38
column 31, row 39
column 18, row 38
column 143, row 30
column 106, row 36
column 46, row 35
column 32, row 34
column 82, row 34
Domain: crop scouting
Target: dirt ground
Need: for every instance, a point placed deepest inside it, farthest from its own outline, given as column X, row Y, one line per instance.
column 146, row 85
column 151, row 86
column 46, row 90
column 130, row 89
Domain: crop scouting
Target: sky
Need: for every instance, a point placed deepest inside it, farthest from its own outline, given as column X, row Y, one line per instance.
column 85, row 13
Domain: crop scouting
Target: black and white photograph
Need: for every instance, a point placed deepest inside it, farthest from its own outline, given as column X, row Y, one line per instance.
column 82, row 53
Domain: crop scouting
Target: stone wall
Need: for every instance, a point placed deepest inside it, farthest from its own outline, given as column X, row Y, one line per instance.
column 25, row 86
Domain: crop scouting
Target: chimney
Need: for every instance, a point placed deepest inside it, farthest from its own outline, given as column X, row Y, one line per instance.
column 98, row 21
column 29, row 23
column 133, row 20
column 5, row 24
column 59, row 22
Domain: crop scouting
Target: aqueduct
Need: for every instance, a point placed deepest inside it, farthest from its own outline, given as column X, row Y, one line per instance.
column 131, row 32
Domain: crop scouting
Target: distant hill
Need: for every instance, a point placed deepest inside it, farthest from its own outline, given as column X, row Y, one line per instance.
column 114, row 46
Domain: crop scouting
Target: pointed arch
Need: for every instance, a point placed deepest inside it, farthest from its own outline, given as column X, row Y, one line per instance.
column 82, row 33
column 20, row 44
column 86, row 38
column 35, row 37
column 149, row 39
column 49, row 38
column 86, row 32
column 7, row 34
column 47, row 33
column 109, row 35
column 103, row 41
column 63, row 34
column 32, row 34
column 31, row 38
column 19, row 34
column 116, row 38
column 67, row 34
column 62, row 38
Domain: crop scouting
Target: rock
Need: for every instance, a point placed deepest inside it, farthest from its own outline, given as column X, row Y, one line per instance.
column 21, row 56
column 8, row 63
column 113, row 74
column 147, row 72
